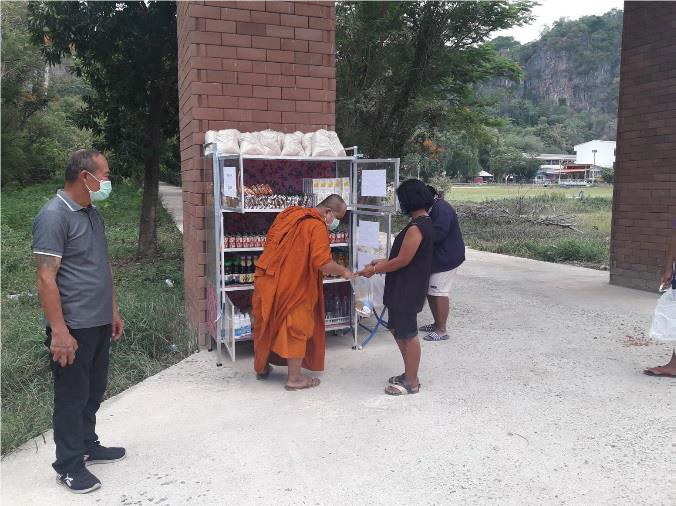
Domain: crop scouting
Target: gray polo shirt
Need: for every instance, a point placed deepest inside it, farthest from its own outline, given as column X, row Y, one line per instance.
column 76, row 234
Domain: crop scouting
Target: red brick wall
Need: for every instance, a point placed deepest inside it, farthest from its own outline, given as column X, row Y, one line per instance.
column 250, row 66
column 645, row 170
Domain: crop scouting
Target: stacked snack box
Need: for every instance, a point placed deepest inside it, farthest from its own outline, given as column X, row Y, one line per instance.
column 325, row 186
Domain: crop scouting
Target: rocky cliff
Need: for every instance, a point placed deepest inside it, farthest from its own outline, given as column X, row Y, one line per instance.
column 574, row 63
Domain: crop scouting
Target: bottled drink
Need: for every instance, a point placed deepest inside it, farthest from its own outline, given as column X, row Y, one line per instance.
column 249, row 270
column 242, row 269
column 227, row 271
column 234, row 271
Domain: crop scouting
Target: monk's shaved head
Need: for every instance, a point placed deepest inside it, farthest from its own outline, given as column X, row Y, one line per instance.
column 335, row 203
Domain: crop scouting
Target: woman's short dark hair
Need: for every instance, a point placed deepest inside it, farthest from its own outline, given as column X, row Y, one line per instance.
column 413, row 196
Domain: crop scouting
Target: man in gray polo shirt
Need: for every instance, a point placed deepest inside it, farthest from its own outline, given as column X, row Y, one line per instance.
column 75, row 284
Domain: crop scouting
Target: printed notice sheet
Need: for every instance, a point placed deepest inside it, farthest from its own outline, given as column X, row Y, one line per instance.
column 230, row 181
column 373, row 183
column 369, row 234
column 363, row 259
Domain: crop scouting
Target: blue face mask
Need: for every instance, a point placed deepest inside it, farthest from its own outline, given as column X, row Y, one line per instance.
column 105, row 187
column 334, row 224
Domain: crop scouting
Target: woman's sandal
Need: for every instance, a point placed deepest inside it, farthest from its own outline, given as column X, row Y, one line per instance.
column 402, row 388
column 398, row 380
column 314, row 382
column 264, row 375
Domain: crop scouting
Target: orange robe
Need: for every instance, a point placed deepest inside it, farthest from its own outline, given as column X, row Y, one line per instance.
column 288, row 298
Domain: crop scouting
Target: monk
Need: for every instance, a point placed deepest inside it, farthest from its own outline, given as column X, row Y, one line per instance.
column 288, row 298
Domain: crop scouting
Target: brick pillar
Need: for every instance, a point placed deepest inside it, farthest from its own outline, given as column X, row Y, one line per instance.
column 250, row 66
column 644, row 200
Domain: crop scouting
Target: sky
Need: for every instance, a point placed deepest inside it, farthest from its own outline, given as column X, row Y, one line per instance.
column 551, row 10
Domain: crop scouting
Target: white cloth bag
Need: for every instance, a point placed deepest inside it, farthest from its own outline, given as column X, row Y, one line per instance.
column 663, row 327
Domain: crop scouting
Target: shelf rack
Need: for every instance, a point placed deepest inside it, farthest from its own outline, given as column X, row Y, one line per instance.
column 227, row 200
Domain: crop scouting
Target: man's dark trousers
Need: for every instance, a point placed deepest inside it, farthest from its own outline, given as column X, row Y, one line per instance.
column 78, row 392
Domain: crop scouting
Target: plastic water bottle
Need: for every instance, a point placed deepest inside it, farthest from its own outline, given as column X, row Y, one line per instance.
column 237, row 324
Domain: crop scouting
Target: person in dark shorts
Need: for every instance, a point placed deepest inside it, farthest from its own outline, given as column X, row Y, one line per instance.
column 407, row 281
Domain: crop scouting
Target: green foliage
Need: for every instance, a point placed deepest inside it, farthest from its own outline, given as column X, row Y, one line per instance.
column 508, row 160
column 608, row 175
column 127, row 53
column 156, row 335
column 406, row 69
column 569, row 91
column 38, row 131
column 590, row 247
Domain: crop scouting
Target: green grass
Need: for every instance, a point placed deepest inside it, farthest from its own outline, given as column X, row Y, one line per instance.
column 479, row 193
column 589, row 247
column 156, row 334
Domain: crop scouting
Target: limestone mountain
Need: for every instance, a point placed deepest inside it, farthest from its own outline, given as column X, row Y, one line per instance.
column 572, row 68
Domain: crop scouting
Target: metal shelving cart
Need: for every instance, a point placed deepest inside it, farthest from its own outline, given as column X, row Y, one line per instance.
column 231, row 210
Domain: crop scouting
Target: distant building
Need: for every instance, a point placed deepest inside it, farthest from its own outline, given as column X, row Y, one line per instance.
column 552, row 164
column 601, row 153
column 559, row 160
column 484, row 177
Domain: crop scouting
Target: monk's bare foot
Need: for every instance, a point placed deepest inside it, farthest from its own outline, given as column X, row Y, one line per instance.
column 302, row 382
column 668, row 370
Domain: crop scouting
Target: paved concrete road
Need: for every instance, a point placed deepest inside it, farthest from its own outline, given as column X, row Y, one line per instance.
column 172, row 200
column 538, row 398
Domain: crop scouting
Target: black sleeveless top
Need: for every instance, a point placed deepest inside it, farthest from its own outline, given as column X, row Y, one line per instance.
column 406, row 289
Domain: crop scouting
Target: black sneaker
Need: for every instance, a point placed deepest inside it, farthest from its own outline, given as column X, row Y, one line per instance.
column 79, row 482
column 98, row 454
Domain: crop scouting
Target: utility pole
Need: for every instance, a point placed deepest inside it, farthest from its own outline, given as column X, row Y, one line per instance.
column 594, row 166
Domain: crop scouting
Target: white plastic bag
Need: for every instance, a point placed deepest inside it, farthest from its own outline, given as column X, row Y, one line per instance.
column 663, row 327
column 326, row 143
column 306, row 142
column 227, row 141
column 368, row 294
column 265, row 143
column 293, row 144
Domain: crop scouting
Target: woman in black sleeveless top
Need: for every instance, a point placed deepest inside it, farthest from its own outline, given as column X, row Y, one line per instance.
column 406, row 282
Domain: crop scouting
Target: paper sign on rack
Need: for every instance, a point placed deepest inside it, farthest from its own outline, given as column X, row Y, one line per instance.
column 373, row 183
column 369, row 234
column 230, row 181
column 363, row 259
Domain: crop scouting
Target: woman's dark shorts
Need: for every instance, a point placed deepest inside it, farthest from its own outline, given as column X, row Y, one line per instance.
column 403, row 325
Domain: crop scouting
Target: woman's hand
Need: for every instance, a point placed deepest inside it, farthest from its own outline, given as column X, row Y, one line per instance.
column 348, row 274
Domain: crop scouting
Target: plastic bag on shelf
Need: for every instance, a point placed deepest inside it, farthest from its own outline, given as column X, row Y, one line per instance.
column 306, row 142
column 663, row 327
column 266, row 143
column 227, row 141
column 368, row 294
column 293, row 144
column 326, row 143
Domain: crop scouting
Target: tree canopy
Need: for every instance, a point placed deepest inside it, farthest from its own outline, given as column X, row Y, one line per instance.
column 127, row 53
column 407, row 68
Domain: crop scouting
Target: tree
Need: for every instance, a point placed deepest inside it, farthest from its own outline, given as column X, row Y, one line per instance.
column 509, row 161
column 608, row 175
column 22, row 90
column 406, row 65
column 127, row 53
